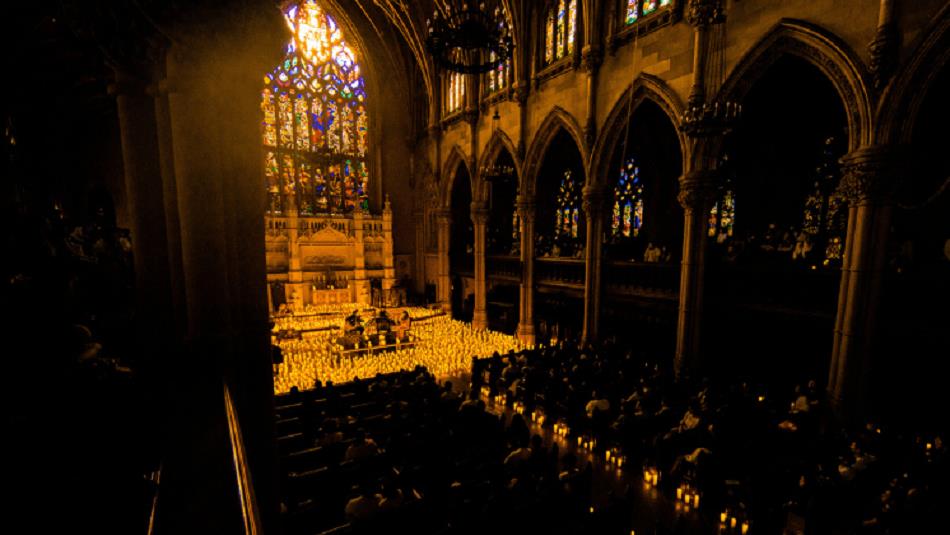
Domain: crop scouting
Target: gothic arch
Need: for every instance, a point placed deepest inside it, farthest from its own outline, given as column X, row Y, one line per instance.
column 498, row 142
column 449, row 174
column 557, row 120
column 645, row 87
column 823, row 50
column 900, row 104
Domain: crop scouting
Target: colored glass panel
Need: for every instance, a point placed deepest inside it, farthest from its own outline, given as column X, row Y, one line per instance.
column 314, row 113
column 549, row 39
column 571, row 25
column 649, row 6
column 633, row 11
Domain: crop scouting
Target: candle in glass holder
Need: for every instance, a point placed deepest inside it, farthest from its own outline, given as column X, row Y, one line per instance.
column 723, row 516
column 696, row 500
column 679, row 493
column 732, row 522
column 745, row 527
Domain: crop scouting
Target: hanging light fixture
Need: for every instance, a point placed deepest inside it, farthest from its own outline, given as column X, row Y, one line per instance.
column 469, row 38
column 704, row 117
column 497, row 172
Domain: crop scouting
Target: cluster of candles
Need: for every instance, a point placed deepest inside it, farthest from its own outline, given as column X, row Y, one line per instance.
column 518, row 407
column 561, row 429
column 585, row 442
column 537, row 416
column 731, row 523
column 614, row 457
column 501, row 399
column 651, row 476
column 485, row 392
column 688, row 495
column 446, row 350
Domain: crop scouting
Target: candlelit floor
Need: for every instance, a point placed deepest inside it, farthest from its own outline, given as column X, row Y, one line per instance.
column 622, row 500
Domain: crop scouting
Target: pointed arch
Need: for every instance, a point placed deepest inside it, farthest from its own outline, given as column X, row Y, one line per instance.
column 456, row 158
column 827, row 53
column 499, row 141
column 900, row 104
column 645, row 87
column 558, row 119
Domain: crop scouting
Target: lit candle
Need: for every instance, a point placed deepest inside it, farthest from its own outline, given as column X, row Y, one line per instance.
column 580, row 441
column 679, row 493
column 723, row 516
column 745, row 527
column 696, row 500
column 732, row 522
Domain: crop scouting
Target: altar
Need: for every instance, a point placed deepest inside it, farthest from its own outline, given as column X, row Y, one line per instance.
column 328, row 259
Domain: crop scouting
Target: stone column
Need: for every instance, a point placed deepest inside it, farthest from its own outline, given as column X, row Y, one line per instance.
column 594, row 200
column 389, row 269
column 696, row 195
column 419, row 216
column 526, row 330
column 444, row 283
column 146, row 208
column 479, row 212
column 172, row 224
column 360, row 283
column 866, row 185
column 591, row 60
column 295, row 283
column 701, row 14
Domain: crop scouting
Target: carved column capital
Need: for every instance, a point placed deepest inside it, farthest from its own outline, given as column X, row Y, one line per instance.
column 704, row 13
column 594, row 198
column 520, row 93
column 591, row 58
column 697, row 190
column 443, row 215
column 868, row 175
column 479, row 213
column 526, row 209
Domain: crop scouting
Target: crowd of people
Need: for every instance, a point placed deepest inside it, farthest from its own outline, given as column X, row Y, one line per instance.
column 401, row 453
column 443, row 345
column 773, row 456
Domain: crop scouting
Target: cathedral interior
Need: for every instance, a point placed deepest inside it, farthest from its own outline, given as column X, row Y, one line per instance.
column 432, row 267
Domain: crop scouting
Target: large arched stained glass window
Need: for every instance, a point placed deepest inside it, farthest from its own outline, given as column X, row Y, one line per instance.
column 315, row 120
column 628, row 202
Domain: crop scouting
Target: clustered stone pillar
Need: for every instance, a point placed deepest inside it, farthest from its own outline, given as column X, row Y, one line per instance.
column 443, row 283
column 594, row 201
column 697, row 191
column 360, row 282
column 389, row 270
column 866, row 185
column 480, row 220
column 526, row 330
column 419, row 216
column 144, row 193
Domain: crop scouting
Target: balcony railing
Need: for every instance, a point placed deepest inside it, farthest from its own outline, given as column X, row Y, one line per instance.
column 560, row 271
column 648, row 279
column 504, row 267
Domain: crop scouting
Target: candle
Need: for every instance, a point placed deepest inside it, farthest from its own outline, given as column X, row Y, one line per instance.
column 696, row 500
column 732, row 522
column 723, row 516
column 679, row 493
column 745, row 527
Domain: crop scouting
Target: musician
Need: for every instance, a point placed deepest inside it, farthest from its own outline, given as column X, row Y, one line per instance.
column 402, row 328
column 354, row 323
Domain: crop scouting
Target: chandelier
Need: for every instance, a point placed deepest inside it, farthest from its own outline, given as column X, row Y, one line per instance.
column 497, row 172
column 469, row 38
column 715, row 117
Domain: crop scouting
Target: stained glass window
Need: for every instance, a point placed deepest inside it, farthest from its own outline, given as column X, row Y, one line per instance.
column 560, row 30
column 455, row 93
column 640, row 8
column 315, row 120
column 722, row 215
column 824, row 214
column 568, row 208
column 628, row 202
column 497, row 78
